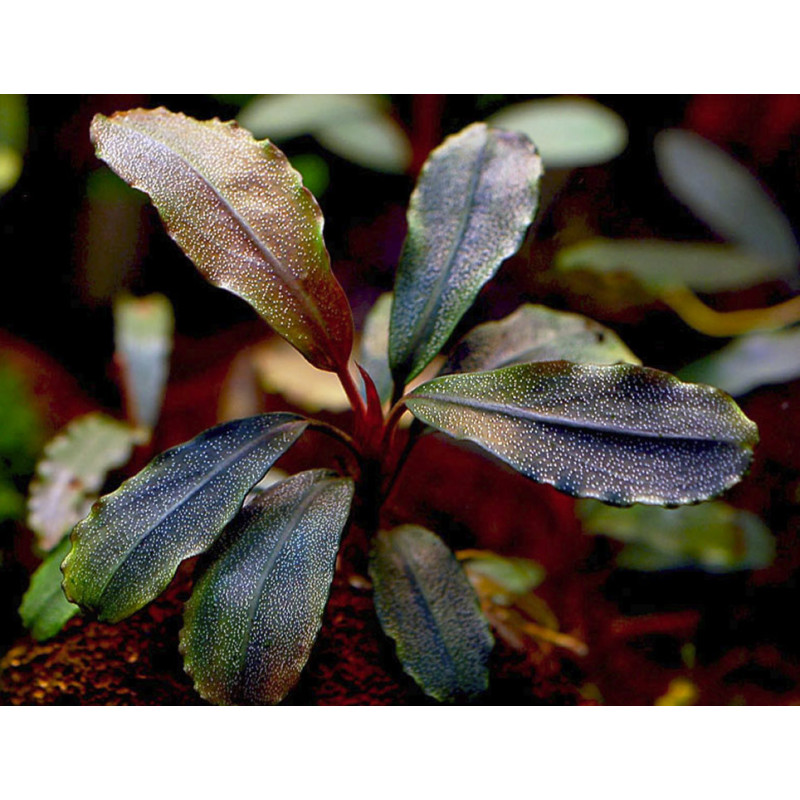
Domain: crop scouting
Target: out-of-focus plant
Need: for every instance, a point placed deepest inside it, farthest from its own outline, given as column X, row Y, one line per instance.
column 13, row 139
column 545, row 393
column 76, row 463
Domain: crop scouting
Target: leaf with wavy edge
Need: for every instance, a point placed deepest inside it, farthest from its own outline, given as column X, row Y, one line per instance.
column 725, row 196
column 240, row 212
column 125, row 553
column 255, row 612
column 45, row 610
column 73, row 470
column 537, row 333
column 426, row 604
column 475, row 198
column 622, row 434
column 143, row 328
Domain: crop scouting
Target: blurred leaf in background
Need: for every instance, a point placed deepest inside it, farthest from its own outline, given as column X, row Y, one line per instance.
column 13, row 138
column 714, row 537
column 359, row 128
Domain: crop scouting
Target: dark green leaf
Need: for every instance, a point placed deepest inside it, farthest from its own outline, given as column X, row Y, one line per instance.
column 475, row 198
column 373, row 353
column 725, row 196
column 143, row 330
column 127, row 550
column 567, row 131
column 240, row 212
column 426, row 604
column 759, row 359
column 256, row 611
column 536, row 333
column 712, row 536
column 660, row 265
column 73, row 470
column 44, row 608
column 623, row 434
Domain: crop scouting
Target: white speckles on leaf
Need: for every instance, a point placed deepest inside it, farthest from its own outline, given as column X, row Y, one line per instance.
column 425, row 603
column 240, row 212
column 622, row 434
column 127, row 550
column 256, row 611
column 475, row 198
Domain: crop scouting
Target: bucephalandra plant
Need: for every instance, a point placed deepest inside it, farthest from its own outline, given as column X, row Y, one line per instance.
column 554, row 395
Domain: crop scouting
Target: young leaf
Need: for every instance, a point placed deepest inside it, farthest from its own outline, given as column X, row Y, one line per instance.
column 240, row 212
column 72, row 471
column 513, row 575
column 255, row 612
column 725, row 196
column 475, row 198
column 748, row 362
column 44, row 608
column 13, row 138
column 537, row 333
column 713, row 536
column 143, row 329
column 660, row 265
column 568, row 131
column 127, row 550
column 373, row 352
column 426, row 604
column 622, row 434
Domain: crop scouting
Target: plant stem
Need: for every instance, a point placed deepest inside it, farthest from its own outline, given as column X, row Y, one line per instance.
column 338, row 435
column 353, row 395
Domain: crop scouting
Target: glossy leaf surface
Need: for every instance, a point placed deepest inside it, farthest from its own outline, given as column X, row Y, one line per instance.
column 712, row 536
column 240, row 212
column 373, row 351
column 256, row 611
column 143, row 329
column 426, row 604
column 475, row 198
column 45, row 610
column 72, row 472
column 127, row 550
column 660, row 264
column 537, row 333
column 725, row 196
column 759, row 359
column 622, row 434
column 567, row 131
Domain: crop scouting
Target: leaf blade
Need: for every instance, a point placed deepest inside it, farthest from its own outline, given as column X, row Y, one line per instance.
column 621, row 434
column 240, row 212
column 426, row 604
column 128, row 549
column 475, row 198
column 254, row 614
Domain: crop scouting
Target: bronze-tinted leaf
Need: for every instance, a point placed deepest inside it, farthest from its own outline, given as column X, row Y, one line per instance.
column 256, row 611
column 127, row 550
column 622, row 434
column 240, row 212
column 537, row 333
column 475, row 198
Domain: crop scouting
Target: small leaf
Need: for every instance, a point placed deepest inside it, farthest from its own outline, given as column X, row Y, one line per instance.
column 514, row 575
column 475, row 198
column 240, row 212
column 256, row 611
column 73, row 470
column 725, row 196
column 567, row 131
column 45, row 610
column 713, row 536
column 536, row 333
column 660, row 264
column 13, row 138
column 622, row 434
column 759, row 359
column 143, row 330
column 373, row 352
column 356, row 127
column 127, row 550
column 426, row 604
